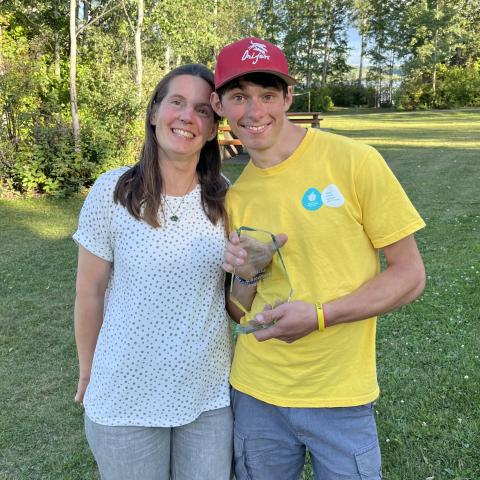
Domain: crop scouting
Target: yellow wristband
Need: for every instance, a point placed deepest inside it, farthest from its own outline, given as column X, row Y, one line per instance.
column 320, row 317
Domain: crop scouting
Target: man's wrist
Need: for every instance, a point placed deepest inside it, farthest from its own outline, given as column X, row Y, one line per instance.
column 321, row 320
column 253, row 280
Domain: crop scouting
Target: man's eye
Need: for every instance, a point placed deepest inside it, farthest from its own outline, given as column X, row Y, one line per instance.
column 238, row 98
column 205, row 112
column 268, row 98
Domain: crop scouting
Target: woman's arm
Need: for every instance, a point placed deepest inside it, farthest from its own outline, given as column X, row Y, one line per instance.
column 243, row 293
column 93, row 274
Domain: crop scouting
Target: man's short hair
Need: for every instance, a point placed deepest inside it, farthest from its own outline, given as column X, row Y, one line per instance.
column 265, row 80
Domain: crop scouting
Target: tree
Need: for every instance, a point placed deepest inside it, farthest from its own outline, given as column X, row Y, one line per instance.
column 433, row 34
column 73, row 75
column 360, row 20
column 316, row 42
column 384, row 21
column 137, row 32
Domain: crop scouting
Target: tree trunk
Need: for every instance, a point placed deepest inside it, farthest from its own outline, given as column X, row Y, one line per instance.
column 57, row 54
column 309, row 59
column 362, row 54
column 434, row 74
column 86, row 11
column 329, row 35
column 435, row 53
column 326, row 51
column 168, row 58
column 311, row 43
column 390, row 84
column 215, row 23
column 73, row 75
column 138, row 49
column 56, row 39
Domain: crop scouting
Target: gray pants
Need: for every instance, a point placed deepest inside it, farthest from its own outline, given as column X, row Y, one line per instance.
column 201, row 450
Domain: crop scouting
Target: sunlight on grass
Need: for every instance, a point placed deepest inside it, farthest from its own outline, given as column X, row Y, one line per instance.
column 452, row 129
column 44, row 218
column 428, row 413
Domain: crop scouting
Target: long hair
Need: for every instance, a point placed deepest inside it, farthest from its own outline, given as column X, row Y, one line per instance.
column 139, row 189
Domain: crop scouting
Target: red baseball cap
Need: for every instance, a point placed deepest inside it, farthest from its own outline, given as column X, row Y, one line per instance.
column 250, row 55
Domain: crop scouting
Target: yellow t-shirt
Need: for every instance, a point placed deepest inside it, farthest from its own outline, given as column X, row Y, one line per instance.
column 338, row 202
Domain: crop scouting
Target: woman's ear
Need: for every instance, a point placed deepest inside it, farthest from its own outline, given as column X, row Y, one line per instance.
column 214, row 131
column 153, row 115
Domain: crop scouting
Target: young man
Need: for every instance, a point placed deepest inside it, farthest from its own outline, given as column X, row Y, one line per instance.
column 308, row 381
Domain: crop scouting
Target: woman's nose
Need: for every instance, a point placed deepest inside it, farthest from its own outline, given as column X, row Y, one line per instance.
column 186, row 114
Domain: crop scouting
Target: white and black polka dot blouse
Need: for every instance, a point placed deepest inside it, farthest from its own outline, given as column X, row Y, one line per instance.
column 163, row 353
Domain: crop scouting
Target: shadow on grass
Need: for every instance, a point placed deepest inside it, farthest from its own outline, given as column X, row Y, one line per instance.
column 446, row 116
column 411, row 136
column 42, row 429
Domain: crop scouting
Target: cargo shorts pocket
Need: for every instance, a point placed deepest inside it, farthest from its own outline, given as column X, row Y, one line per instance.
column 369, row 462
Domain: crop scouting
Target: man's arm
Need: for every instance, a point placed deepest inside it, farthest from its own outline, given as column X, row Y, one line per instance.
column 400, row 283
column 92, row 279
column 245, row 257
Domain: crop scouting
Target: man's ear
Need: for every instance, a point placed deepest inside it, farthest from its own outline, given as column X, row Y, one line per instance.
column 288, row 99
column 216, row 104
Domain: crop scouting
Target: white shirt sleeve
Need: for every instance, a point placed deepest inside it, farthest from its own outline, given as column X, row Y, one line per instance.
column 94, row 225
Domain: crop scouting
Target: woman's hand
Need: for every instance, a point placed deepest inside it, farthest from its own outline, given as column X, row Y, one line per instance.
column 81, row 388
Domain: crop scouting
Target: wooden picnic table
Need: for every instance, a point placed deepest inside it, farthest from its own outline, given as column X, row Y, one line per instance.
column 231, row 145
column 313, row 118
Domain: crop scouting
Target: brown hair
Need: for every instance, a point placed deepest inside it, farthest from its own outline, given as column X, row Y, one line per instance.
column 265, row 80
column 140, row 187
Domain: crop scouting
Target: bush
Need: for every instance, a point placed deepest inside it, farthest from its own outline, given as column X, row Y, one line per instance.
column 319, row 99
column 46, row 161
column 340, row 95
column 351, row 95
column 457, row 86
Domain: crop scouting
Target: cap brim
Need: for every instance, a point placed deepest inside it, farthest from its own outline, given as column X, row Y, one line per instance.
column 287, row 78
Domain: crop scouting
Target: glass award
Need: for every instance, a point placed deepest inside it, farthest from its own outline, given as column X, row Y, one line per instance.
column 269, row 273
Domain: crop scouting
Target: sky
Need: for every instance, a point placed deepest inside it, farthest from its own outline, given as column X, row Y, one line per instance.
column 354, row 44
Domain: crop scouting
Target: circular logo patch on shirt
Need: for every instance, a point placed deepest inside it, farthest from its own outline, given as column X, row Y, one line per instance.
column 312, row 199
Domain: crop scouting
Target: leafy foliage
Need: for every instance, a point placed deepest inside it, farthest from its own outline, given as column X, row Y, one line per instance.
column 433, row 44
column 37, row 152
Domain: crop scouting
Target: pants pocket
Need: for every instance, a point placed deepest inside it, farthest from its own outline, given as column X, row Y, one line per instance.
column 369, row 462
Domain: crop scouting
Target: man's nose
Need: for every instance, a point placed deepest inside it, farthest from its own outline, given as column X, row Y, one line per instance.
column 255, row 109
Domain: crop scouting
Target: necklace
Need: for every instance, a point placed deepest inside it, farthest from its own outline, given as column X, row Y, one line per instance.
column 174, row 217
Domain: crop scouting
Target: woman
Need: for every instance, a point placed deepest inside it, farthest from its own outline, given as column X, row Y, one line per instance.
column 152, row 336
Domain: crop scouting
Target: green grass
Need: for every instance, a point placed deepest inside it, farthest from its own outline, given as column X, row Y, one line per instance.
column 428, row 353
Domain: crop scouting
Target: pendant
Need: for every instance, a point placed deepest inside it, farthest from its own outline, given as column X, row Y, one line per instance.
column 174, row 218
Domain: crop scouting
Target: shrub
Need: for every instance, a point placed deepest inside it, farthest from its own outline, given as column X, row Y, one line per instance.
column 457, row 86
column 351, row 95
column 320, row 101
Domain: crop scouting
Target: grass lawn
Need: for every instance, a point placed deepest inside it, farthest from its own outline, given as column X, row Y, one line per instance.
column 428, row 352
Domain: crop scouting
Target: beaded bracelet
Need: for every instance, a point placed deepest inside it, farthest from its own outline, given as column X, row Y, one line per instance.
column 252, row 281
